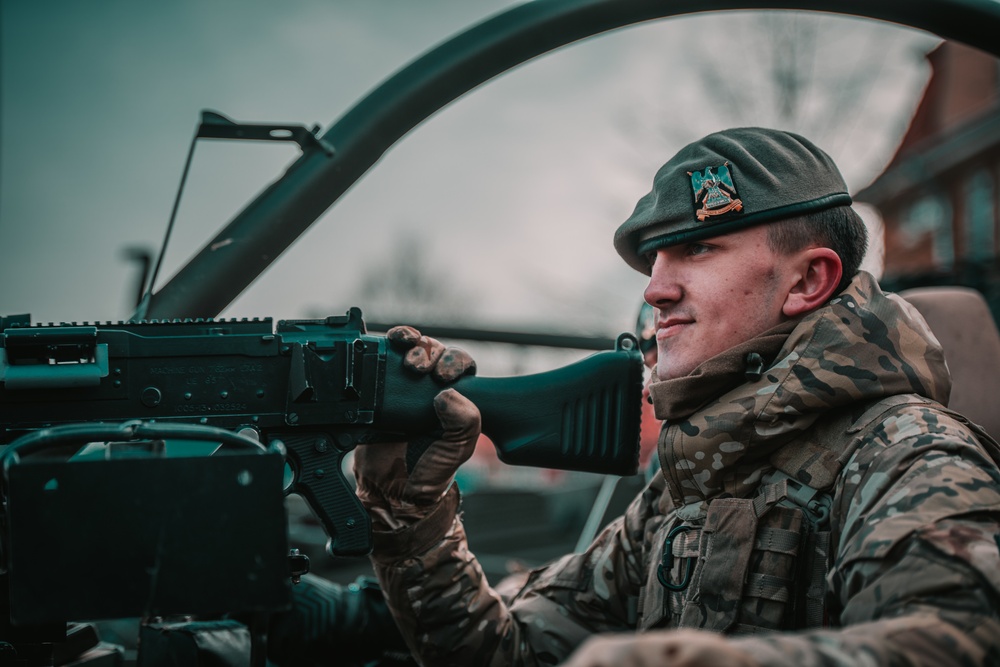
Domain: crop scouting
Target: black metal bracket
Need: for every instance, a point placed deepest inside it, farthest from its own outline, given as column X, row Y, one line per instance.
column 216, row 126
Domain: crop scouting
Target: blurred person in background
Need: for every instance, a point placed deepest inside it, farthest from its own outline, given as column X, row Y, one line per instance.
column 649, row 430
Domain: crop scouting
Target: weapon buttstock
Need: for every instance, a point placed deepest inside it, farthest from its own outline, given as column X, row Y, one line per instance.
column 584, row 416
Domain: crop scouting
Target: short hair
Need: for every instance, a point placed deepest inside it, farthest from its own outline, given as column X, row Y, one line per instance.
column 839, row 228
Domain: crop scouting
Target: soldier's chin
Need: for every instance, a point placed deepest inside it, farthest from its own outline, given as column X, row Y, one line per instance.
column 672, row 371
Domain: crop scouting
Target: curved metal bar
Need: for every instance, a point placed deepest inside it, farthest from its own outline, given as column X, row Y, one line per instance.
column 47, row 438
column 225, row 266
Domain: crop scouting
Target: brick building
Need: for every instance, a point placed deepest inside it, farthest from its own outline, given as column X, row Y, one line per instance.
column 939, row 196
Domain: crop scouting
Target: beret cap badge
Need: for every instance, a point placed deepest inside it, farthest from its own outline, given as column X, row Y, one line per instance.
column 714, row 192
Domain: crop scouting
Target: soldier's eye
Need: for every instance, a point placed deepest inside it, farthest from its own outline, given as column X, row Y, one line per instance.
column 697, row 248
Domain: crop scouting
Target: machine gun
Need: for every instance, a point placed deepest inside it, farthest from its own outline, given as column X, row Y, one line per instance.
column 318, row 387
column 99, row 420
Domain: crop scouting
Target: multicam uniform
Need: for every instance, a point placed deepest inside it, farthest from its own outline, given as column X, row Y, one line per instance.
column 844, row 406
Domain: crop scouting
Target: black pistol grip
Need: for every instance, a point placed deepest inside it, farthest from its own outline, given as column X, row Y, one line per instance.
column 319, row 478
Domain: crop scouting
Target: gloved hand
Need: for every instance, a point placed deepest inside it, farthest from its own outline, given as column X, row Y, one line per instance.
column 676, row 648
column 401, row 483
column 429, row 356
column 331, row 624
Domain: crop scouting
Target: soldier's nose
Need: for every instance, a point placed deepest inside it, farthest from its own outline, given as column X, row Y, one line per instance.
column 663, row 288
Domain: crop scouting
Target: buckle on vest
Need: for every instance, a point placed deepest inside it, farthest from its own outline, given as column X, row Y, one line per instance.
column 667, row 562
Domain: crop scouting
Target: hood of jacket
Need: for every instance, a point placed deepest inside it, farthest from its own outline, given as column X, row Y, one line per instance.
column 723, row 422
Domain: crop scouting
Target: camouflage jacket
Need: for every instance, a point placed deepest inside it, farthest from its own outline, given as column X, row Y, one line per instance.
column 847, row 401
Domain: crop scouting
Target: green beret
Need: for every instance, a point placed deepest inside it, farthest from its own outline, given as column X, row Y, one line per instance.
column 729, row 181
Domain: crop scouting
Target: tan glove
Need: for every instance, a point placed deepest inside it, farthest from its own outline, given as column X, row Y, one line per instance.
column 671, row 648
column 401, row 483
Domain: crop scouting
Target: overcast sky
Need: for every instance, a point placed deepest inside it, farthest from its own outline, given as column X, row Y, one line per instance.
column 511, row 194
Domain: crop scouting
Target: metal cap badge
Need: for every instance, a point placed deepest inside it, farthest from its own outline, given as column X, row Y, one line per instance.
column 714, row 192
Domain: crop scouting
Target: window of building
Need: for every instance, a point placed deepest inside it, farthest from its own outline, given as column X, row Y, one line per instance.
column 931, row 214
column 979, row 231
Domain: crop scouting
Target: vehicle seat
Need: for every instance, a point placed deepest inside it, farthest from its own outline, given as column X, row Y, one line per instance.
column 962, row 322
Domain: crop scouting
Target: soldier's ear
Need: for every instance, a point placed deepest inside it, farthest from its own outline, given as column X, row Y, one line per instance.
column 814, row 278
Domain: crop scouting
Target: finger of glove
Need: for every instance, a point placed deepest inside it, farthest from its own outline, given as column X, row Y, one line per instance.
column 403, row 336
column 424, row 355
column 434, row 472
column 453, row 364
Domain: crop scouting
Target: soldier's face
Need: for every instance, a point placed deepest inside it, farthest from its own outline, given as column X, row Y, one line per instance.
column 712, row 295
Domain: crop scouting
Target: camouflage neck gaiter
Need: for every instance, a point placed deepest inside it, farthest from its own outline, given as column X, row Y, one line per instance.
column 700, row 443
column 722, row 425
column 678, row 398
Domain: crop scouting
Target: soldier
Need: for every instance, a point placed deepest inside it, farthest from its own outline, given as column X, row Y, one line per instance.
column 812, row 479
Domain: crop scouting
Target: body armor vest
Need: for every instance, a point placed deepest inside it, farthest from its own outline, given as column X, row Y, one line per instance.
column 759, row 564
